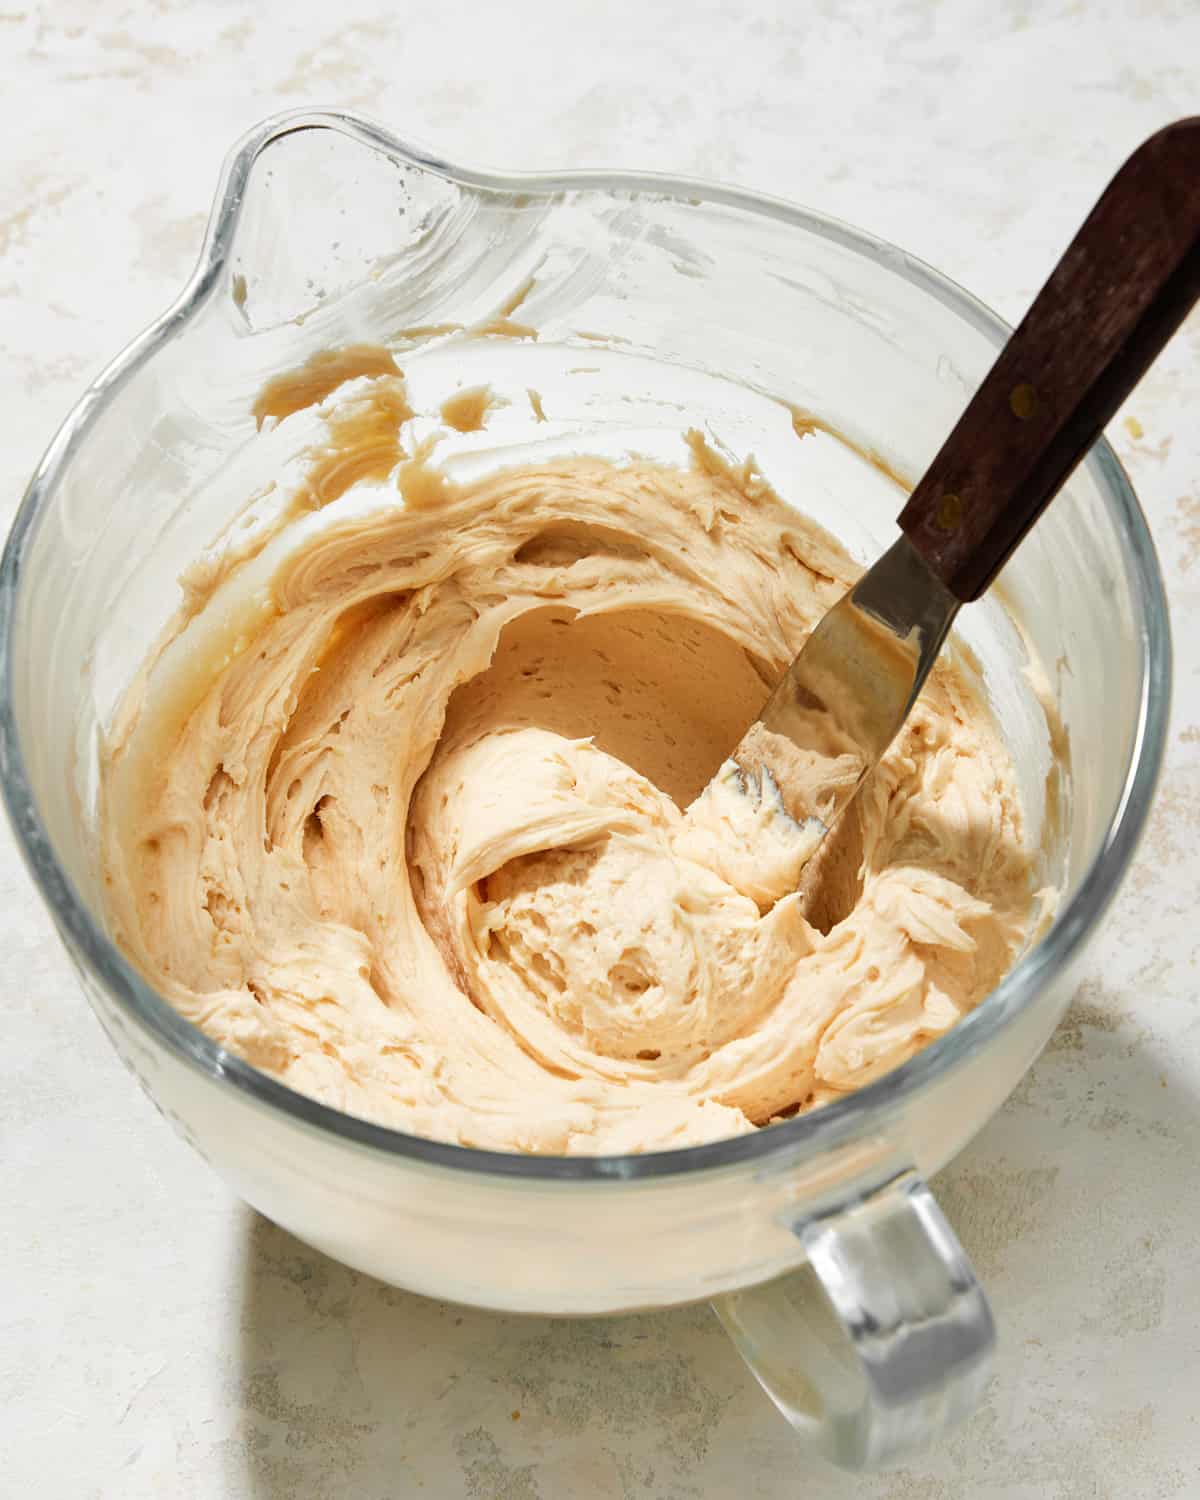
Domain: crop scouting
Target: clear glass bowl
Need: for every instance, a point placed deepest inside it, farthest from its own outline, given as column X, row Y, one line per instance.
column 653, row 298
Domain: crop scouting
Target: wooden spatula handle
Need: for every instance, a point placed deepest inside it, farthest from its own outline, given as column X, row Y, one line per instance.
column 1114, row 299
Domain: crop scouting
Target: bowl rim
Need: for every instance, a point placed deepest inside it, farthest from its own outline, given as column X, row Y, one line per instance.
column 833, row 1123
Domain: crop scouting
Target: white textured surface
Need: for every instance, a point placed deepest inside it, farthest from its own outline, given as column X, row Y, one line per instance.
column 155, row 1338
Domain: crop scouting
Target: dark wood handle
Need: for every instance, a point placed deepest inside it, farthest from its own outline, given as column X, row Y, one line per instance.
column 1114, row 299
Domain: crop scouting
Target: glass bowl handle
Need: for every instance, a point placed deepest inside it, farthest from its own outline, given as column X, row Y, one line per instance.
column 882, row 1342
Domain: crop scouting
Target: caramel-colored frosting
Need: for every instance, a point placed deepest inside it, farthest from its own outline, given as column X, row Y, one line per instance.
column 397, row 809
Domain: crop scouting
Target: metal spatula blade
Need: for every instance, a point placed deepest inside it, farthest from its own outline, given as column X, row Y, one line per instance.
column 846, row 696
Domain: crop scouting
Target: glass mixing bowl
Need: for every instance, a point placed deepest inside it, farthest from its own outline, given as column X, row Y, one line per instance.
column 824, row 1253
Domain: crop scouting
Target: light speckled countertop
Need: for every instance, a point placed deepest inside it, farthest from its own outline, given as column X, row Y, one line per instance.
column 156, row 1339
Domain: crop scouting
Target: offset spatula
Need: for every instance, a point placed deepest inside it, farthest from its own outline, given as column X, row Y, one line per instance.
column 1125, row 284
